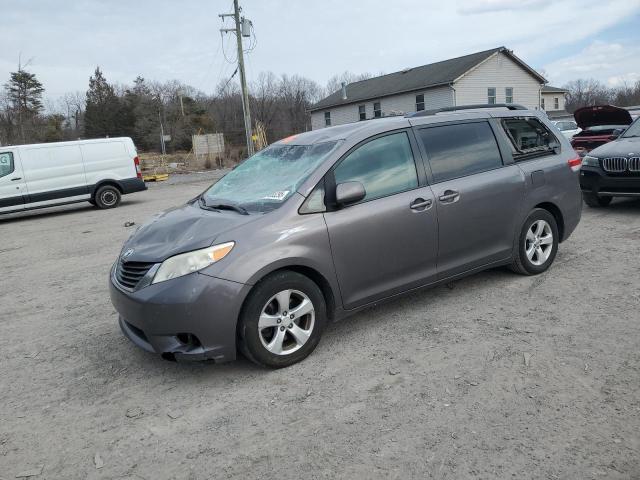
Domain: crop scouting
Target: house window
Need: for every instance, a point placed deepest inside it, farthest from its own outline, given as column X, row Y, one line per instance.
column 556, row 103
column 542, row 103
column 491, row 95
column 327, row 119
column 362, row 113
column 508, row 95
column 377, row 111
column 419, row 102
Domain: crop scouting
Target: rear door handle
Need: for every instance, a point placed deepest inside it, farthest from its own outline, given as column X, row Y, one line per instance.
column 16, row 178
column 420, row 204
column 449, row 196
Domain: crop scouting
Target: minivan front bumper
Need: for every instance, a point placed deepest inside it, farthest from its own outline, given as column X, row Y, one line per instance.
column 192, row 317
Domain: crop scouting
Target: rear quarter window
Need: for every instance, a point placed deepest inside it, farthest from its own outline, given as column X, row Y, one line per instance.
column 529, row 137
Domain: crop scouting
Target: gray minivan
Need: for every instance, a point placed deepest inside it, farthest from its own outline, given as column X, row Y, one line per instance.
column 320, row 225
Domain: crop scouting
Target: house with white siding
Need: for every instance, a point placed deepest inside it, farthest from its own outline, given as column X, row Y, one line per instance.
column 552, row 101
column 492, row 76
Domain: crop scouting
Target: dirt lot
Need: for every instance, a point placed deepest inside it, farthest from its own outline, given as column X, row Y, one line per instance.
column 495, row 376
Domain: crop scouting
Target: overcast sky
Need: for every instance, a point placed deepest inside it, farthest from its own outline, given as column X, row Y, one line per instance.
column 162, row 39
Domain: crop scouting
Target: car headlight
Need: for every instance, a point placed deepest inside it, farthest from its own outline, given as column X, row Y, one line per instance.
column 590, row 161
column 191, row 261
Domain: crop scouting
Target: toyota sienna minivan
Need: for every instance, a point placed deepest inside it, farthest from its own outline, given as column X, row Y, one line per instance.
column 323, row 224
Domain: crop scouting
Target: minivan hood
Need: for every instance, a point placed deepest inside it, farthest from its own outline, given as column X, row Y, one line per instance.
column 181, row 229
column 601, row 115
column 622, row 147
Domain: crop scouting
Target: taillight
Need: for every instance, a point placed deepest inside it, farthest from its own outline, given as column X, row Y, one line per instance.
column 136, row 162
column 574, row 163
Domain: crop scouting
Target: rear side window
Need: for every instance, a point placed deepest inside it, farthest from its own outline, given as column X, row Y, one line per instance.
column 459, row 150
column 6, row 163
column 384, row 166
column 529, row 137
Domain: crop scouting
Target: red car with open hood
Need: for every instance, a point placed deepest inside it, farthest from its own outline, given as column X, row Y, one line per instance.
column 600, row 124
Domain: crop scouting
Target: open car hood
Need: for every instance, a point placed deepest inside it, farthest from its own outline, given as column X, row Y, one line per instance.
column 601, row 115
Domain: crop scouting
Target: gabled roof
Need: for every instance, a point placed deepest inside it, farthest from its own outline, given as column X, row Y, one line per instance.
column 418, row 78
column 550, row 89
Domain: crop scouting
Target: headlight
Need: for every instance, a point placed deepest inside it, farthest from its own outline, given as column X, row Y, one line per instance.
column 590, row 161
column 191, row 261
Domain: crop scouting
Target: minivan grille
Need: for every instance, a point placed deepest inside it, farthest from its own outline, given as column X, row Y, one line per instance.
column 129, row 274
column 633, row 164
column 614, row 164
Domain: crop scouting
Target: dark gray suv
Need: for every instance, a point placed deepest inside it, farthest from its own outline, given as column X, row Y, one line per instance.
column 320, row 225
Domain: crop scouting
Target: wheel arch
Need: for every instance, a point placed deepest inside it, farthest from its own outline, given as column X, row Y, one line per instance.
column 554, row 210
column 102, row 183
column 313, row 274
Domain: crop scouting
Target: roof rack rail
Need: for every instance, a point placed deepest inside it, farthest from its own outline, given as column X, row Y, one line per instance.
column 424, row 113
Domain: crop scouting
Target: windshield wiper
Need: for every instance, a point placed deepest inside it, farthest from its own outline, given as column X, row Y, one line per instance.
column 227, row 206
column 203, row 204
column 224, row 206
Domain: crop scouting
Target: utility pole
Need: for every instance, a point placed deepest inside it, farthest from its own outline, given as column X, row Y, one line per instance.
column 239, row 31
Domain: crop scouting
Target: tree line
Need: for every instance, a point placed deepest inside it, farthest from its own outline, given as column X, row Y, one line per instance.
column 280, row 103
column 137, row 110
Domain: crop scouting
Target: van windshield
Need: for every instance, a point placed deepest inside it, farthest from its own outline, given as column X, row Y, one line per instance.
column 264, row 181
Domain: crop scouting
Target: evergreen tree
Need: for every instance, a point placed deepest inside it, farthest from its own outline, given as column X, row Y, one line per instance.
column 106, row 115
column 24, row 94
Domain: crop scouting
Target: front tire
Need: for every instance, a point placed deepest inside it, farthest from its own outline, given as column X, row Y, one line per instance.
column 282, row 320
column 596, row 201
column 107, row 196
column 537, row 243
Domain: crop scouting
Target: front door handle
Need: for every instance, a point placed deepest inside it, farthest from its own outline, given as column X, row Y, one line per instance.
column 16, row 178
column 449, row 196
column 420, row 204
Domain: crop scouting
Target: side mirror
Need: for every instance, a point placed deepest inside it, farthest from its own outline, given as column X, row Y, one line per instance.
column 349, row 192
column 617, row 132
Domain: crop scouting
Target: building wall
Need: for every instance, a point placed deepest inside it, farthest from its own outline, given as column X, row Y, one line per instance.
column 394, row 104
column 500, row 72
column 548, row 101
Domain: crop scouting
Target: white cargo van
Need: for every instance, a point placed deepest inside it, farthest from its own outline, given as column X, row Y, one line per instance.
column 47, row 174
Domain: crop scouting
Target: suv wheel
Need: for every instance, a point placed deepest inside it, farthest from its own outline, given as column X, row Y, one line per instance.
column 107, row 196
column 282, row 320
column 537, row 243
column 596, row 201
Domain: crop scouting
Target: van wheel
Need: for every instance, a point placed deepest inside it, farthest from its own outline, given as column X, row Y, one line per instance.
column 596, row 201
column 107, row 196
column 282, row 321
column 537, row 243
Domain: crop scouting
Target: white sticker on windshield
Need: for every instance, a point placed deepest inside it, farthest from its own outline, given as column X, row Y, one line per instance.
column 280, row 195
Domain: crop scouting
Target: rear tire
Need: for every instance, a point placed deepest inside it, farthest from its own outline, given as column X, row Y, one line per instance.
column 282, row 320
column 107, row 196
column 596, row 201
column 537, row 243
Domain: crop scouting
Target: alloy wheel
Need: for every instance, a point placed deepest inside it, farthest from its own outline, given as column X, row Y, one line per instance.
column 538, row 242
column 286, row 322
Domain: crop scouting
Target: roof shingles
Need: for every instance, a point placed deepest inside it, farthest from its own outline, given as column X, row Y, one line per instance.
column 426, row 76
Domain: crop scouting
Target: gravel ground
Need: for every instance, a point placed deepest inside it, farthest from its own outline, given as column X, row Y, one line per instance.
column 494, row 376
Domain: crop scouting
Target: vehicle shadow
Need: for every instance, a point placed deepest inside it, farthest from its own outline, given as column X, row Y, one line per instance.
column 61, row 211
column 622, row 205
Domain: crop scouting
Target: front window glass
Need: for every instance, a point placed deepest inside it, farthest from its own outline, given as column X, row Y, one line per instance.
column 384, row 166
column 6, row 163
column 264, row 181
column 633, row 130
